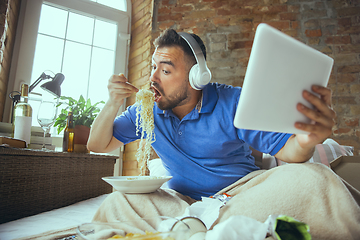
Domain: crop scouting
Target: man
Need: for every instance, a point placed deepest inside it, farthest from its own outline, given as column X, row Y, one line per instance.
column 210, row 147
column 206, row 154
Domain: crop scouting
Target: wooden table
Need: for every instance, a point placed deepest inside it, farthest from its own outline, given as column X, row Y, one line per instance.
column 34, row 181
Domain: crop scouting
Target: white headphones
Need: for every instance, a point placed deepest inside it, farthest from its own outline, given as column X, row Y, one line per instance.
column 199, row 75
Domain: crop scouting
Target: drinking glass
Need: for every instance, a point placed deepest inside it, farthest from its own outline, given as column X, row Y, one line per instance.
column 46, row 117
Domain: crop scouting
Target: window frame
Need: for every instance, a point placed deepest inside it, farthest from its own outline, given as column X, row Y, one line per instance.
column 27, row 31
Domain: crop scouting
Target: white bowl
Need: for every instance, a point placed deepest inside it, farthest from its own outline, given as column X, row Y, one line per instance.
column 136, row 184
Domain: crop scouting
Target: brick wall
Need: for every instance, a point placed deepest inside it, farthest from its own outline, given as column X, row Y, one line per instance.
column 9, row 10
column 228, row 27
column 139, row 67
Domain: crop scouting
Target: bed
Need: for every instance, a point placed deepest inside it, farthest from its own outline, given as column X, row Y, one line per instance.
column 83, row 211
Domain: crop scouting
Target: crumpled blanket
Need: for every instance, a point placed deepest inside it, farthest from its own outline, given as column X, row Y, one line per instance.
column 309, row 192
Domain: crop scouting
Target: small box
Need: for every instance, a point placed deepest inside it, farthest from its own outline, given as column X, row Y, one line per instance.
column 348, row 168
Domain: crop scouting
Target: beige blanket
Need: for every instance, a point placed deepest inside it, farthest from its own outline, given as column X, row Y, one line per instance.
column 309, row 192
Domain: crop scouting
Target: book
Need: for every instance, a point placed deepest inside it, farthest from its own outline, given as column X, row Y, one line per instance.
column 39, row 146
column 12, row 142
column 7, row 128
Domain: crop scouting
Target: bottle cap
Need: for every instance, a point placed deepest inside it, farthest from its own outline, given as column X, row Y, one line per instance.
column 24, row 90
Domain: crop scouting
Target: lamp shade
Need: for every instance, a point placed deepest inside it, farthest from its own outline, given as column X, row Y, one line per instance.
column 53, row 86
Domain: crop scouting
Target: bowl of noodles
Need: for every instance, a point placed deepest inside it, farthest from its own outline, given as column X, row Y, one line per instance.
column 137, row 184
column 157, row 228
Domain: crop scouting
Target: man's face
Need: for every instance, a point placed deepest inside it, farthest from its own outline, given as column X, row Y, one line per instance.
column 170, row 77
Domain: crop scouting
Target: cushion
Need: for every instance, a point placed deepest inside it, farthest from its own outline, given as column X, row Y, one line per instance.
column 156, row 168
column 327, row 152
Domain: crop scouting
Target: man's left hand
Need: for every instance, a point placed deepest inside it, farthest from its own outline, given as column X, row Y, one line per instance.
column 322, row 116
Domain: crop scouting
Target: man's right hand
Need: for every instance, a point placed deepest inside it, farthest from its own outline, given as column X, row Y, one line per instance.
column 119, row 88
column 101, row 137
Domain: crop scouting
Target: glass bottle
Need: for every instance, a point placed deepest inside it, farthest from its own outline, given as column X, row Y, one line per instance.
column 23, row 116
column 68, row 140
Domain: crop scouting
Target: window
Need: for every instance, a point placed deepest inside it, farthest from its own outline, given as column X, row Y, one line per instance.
column 120, row 5
column 86, row 40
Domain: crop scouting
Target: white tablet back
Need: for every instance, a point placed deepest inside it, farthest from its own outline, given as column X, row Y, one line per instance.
column 279, row 69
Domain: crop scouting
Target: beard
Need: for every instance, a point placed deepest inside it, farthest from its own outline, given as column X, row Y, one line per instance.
column 174, row 99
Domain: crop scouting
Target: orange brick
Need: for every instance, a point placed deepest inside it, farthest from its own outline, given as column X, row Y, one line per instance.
column 347, row 77
column 182, row 9
column 225, row 12
column 355, row 110
column 170, row 17
column 239, row 45
column 338, row 40
column 348, row 48
column 352, row 122
column 350, row 11
column 294, row 8
column 165, row 25
column 313, row 33
column 200, row 14
column 288, row 16
column 220, row 21
column 281, row 25
column 355, row 88
column 347, row 100
column 295, row 25
column 343, row 131
column 188, row 23
column 349, row 69
column 345, row 22
column 164, row 10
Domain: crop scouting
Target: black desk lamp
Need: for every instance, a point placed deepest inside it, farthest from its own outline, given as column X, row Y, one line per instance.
column 52, row 87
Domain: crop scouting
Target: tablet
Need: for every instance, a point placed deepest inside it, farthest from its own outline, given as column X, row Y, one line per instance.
column 279, row 69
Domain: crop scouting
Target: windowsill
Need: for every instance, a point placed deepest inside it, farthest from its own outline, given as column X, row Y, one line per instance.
column 57, row 141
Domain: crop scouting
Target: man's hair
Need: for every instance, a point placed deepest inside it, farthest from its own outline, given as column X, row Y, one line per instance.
column 170, row 38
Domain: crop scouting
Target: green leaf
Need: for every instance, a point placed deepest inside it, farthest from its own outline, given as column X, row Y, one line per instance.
column 83, row 111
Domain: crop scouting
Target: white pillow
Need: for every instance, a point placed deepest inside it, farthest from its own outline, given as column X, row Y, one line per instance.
column 328, row 151
column 156, row 168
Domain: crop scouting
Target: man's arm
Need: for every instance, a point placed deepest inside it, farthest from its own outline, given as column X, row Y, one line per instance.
column 300, row 147
column 101, row 137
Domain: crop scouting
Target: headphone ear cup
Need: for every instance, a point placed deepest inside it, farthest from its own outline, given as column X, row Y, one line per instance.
column 194, row 76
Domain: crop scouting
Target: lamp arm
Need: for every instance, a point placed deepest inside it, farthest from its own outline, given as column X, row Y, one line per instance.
column 43, row 76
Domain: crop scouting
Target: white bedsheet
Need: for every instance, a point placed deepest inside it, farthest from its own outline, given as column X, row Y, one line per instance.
column 72, row 215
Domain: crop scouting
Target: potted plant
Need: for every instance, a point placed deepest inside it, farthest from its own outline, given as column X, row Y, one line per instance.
column 84, row 115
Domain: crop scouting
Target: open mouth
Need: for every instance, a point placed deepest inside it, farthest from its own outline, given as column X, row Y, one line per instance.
column 156, row 93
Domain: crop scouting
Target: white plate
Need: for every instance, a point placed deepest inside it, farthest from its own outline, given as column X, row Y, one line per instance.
column 136, row 184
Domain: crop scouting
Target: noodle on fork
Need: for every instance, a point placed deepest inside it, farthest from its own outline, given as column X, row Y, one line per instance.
column 145, row 121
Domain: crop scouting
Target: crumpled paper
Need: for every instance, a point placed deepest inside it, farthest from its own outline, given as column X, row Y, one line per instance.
column 281, row 227
column 238, row 227
column 207, row 210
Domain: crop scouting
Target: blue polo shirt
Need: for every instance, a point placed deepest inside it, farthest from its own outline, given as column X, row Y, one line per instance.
column 203, row 152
